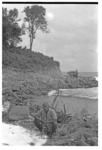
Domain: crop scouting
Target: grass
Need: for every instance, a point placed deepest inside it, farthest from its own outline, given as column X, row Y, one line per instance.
column 22, row 59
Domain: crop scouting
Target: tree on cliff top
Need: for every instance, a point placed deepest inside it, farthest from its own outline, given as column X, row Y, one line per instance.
column 35, row 19
column 10, row 27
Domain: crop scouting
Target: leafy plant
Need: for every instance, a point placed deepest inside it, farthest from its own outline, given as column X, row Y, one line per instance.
column 10, row 27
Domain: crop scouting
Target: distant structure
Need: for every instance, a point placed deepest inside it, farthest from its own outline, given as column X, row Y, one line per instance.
column 73, row 74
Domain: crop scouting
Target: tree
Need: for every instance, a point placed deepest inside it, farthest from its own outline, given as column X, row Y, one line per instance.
column 35, row 19
column 73, row 73
column 10, row 27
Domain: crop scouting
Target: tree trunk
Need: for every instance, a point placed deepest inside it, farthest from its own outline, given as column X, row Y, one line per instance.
column 31, row 43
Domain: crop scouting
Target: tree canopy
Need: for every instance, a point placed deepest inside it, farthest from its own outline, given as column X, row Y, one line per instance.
column 10, row 27
column 35, row 20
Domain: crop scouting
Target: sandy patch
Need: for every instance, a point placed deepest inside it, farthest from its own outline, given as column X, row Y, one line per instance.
column 16, row 135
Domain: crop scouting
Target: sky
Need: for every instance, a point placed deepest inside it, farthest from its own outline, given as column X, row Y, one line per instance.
column 72, row 39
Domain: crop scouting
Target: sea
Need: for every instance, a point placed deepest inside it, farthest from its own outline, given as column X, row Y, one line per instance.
column 77, row 100
column 88, row 93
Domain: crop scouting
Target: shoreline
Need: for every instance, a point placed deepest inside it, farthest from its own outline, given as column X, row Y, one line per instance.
column 77, row 92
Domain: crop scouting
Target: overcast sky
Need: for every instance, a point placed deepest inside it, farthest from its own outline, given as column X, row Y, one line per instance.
column 73, row 35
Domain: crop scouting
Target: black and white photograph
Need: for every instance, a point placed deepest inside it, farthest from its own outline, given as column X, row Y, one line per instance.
column 49, row 73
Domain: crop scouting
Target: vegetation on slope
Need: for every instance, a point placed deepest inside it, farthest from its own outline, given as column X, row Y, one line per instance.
column 23, row 59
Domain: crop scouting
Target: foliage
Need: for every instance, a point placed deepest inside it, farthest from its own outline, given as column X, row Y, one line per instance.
column 10, row 28
column 73, row 74
column 25, row 60
column 35, row 19
column 80, row 82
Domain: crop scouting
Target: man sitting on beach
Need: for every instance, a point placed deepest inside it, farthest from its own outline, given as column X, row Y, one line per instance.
column 46, row 120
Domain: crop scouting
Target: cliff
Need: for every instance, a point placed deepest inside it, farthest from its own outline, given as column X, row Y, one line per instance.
column 25, row 60
column 27, row 73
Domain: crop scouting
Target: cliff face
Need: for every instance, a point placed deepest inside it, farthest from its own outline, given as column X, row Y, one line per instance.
column 33, row 73
column 23, row 59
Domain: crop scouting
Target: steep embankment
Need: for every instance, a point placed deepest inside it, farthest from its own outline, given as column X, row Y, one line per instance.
column 26, row 74
column 24, row 59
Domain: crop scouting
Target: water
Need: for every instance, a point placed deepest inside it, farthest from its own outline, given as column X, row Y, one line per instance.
column 88, row 93
column 88, row 74
column 76, row 100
